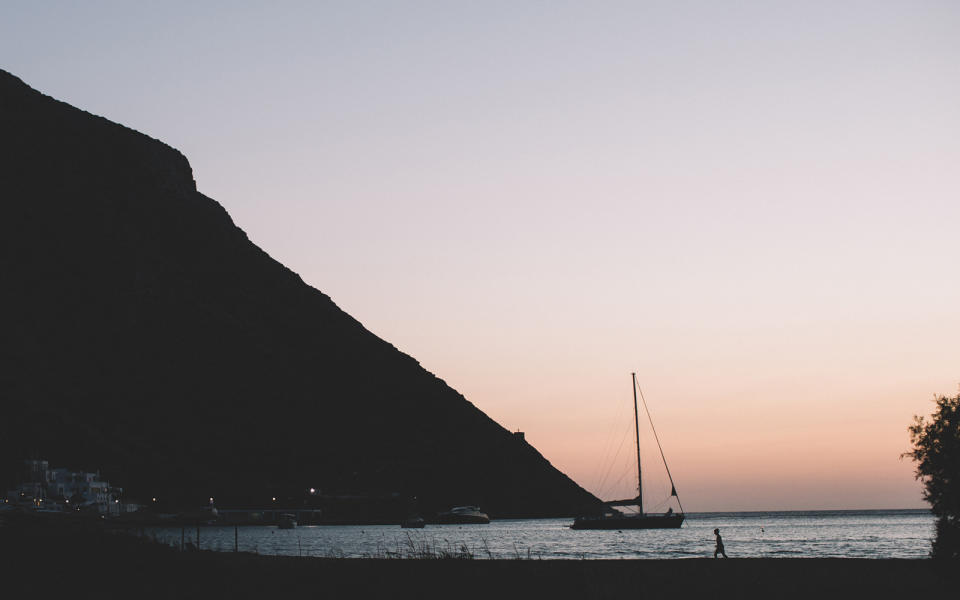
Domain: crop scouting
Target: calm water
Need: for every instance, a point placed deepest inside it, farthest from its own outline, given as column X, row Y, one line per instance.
column 846, row 534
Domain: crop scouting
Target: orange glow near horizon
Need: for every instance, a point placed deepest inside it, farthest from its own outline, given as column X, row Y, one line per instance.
column 825, row 436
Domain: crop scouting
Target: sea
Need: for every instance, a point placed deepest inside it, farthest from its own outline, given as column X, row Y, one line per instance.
column 793, row 534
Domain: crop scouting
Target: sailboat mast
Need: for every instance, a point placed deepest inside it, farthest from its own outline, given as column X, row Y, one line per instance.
column 636, row 425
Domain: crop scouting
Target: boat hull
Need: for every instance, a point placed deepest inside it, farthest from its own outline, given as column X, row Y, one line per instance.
column 287, row 522
column 629, row 522
column 413, row 523
column 455, row 519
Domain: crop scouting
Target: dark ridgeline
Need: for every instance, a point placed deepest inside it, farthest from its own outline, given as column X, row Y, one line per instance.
column 142, row 333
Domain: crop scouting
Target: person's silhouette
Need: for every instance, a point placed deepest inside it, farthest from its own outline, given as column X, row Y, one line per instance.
column 719, row 549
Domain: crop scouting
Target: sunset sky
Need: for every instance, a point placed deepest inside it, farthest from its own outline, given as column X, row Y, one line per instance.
column 755, row 206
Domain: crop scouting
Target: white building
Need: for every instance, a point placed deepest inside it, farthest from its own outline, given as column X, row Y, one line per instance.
column 63, row 489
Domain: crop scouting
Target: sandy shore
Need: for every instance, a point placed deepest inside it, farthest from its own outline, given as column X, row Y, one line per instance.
column 49, row 560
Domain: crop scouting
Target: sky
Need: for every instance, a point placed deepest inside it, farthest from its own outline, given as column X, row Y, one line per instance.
column 752, row 205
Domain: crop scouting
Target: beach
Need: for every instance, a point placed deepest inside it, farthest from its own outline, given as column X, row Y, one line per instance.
column 47, row 558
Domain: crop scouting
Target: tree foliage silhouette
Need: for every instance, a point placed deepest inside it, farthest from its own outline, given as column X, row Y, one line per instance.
column 936, row 450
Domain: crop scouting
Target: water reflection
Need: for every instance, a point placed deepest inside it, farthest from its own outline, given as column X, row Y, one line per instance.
column 847, row 534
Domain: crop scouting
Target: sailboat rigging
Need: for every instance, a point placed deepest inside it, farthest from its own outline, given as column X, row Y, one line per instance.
column 615, row 519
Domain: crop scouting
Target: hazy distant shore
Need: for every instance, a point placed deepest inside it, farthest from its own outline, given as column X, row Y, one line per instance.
column 55, row 559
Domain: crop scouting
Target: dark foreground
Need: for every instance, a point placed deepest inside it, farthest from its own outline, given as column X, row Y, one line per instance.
column 48, row 559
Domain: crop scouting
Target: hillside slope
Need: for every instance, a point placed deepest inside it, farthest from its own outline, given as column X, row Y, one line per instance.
column 143, row 333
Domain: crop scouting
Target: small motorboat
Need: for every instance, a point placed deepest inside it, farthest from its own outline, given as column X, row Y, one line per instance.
column 287, row 521
column 413, row 523
column 463, row 515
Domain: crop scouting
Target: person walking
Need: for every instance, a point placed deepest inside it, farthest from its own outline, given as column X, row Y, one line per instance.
column 719, row 549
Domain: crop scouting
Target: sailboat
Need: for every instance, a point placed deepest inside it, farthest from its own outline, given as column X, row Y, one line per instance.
column 615, row 519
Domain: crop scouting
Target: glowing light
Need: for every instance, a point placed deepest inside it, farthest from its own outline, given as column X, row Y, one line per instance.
column 313, row 490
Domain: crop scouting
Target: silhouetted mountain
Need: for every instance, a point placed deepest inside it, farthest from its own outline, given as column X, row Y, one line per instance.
column 142, row 332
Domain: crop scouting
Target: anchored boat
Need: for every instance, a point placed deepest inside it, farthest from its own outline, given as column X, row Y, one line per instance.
column 615, row 519
column 287, row 521
column 463, row 515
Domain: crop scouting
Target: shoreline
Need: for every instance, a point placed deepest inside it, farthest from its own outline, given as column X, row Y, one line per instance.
column 146, row 519
column 38, row 556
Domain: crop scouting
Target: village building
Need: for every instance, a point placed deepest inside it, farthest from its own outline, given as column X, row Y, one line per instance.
column 43, row 488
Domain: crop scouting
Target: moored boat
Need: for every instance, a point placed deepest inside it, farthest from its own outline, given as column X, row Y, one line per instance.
column 616, row 519
column 413, row 523
column 619, row 520
column 463, row 515
column 287, row 521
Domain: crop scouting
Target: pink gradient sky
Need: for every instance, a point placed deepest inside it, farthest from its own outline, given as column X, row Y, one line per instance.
column 754, row 206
